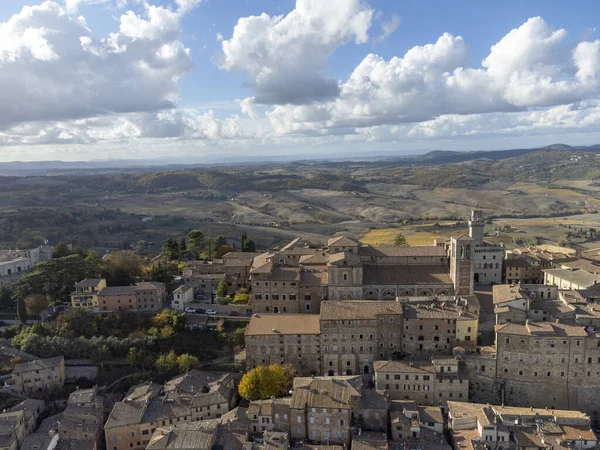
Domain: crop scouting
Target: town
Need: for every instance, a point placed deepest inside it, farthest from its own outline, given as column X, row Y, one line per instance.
column 342, row 345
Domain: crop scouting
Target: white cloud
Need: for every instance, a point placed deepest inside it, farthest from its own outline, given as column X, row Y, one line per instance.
column 285, row 56
column 248, row 107
column 52, row 67
column 529, row 67
column 388, row 28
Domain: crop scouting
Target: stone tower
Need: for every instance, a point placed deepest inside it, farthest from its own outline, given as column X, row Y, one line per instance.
column 476, row 225
column 461, row 264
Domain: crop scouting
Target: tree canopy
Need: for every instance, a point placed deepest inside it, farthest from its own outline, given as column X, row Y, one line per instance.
column 267, row 381
column 400, row 240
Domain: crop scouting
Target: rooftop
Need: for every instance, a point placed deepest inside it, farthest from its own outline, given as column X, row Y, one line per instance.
column 402, row 251
column 118, row 290
column 541, row 329
column 579, row 277
column 89, row 282
column 406, row 274
column 342, row 241
column 38, row 364
column 358, row 309
column 279, row 324
column 404, row 367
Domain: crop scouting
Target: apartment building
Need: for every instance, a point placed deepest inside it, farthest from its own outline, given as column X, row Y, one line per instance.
column 41, row 375
column 355, row 333
column 94, row 295
column 433, row 382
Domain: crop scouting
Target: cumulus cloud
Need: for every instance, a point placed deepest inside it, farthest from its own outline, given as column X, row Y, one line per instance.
column 530, row 67
column 388, row 28
column 285, row 56
column 52, row 67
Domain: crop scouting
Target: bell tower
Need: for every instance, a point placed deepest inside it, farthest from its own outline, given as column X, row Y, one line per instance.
column 476, row 225
column 461, row 264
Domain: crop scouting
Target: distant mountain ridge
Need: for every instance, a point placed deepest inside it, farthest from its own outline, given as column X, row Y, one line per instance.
column 111, row 166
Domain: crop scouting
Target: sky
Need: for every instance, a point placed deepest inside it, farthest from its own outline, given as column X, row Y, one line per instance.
column 185, row 79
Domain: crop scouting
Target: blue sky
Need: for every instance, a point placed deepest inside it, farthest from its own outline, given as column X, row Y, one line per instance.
column 352, row 88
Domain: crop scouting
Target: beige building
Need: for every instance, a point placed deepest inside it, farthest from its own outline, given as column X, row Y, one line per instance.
column 487, row 257
column 269, row 415
column 417, row 425
column 432, row 382
column 571, row 278
column 192, row 397
column 506, row 427
column 15, row 263
column 284, row 339
column 355, row 333
column 41, row 375
column 182, row 297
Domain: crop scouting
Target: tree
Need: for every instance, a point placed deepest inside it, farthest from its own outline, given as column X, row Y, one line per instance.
column 21, row 310
column 167, row 362
column 6, row 298
column 16, row 360
column 122, row 268
column 170, row 249
column 247, row 244
column 195, row 241
column 35, row 304
column 266, row 381
column 220, row 241
column 223, row 250
column 186, row 362
column 222, row 288
column 133, row 357
column 182, row 246
column 241, row 299
column 400, row 240
column 61, row 250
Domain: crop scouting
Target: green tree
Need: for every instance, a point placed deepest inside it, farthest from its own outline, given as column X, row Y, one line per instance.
column 400, row 240
column 167, row 362
column 6, row 298
column 133, row 357
column 21, row 310
column 195, row 241
column 247, row 244
column 222, row 288
column 35, row 304
column 170, row 249
column 122, row 268
column 266, row 381
column 186, row 362
column 220, row 241
column 141, row 248
column 61, row 250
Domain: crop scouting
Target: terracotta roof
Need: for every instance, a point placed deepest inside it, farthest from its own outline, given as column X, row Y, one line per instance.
column 119, row 290
column 404, row 367
column 316, row 259
column 38, row 364
column 401, row 274
column 342, row 241
column 402, row 250
column 325, row 392
column 342, row 257
column 424, row 310
column 585, row 264
column 274, row 324
column 240, row 255
column 313, row 278
column 579, row 277
column 89, row 282
column 285, row 274
column 430, row 414
column 578, row 433
column 358, row 309
column 507, row 292
column 541, row 329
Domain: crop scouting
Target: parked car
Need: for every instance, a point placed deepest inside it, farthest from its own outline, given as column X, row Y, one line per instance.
column 190, row 311
column 233, row 313
column 207, row 364
column 200, row 311
column 211, row 312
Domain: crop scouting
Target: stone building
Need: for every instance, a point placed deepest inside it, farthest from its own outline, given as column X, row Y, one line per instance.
column 269, row 415
column 487, row 257
column 323, row 409
column 571, row 278
column 145, row 297
column 192, row 397
column 506, row 427
column 15, row 263
column 461, row 264
column 182, row 297
column 355, row 333
column 41, row 375
column 417, row 425
column 284, row 339
column 432, row 382
column 438, row 327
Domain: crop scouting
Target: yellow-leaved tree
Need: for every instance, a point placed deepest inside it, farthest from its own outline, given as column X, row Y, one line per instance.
column 267, row 381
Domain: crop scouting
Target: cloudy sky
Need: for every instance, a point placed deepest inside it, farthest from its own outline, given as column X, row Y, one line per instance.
column 96, row 79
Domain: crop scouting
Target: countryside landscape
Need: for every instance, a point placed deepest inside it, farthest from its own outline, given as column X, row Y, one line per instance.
column 534, row 196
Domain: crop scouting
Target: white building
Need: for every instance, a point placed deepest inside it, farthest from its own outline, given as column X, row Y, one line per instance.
column 182, row 297
column 14, row 263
